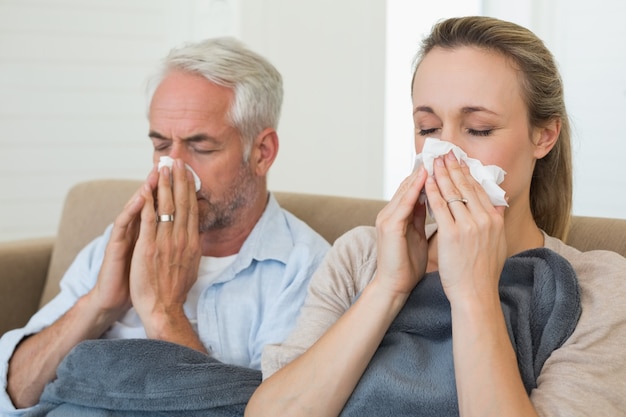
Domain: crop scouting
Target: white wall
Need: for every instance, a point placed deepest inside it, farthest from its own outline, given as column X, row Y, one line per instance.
column 72, row 105
column 407, row 23
column 589, row 43
column 587, row 40
column 332, row 57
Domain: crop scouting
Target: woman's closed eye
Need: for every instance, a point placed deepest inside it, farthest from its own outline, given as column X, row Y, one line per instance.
column 477, row 132
column 426, row 132
column 472, row 132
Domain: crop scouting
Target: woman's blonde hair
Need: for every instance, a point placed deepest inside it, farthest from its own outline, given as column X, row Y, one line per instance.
column 542, row 91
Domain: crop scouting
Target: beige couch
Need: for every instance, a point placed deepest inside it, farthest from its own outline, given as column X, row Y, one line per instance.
column 30, row 270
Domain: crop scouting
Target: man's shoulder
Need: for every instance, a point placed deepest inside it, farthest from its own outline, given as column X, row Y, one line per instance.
column 281, row 236
column 302, row 230
column 299, row 230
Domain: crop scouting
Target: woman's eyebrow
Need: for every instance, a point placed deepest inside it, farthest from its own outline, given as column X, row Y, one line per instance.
column 475, row 109
column 464, row 110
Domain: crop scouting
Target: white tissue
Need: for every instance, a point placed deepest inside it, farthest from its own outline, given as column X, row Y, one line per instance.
column 489, row 176
column 168, row 162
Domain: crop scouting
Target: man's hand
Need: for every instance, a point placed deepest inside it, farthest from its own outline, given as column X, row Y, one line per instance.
column 165, row 261
column 111, row 292
column 36, row 358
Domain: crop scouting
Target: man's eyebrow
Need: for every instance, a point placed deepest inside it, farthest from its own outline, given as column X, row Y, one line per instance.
column 200, row 137
column 425, row 109
column 156, row 135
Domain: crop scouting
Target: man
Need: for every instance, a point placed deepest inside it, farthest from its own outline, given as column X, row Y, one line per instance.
column 222, row 270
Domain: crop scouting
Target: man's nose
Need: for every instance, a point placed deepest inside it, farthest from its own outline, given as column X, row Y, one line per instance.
column 177, row 151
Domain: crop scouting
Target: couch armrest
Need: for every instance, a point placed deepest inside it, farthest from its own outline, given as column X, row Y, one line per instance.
column 23, row 270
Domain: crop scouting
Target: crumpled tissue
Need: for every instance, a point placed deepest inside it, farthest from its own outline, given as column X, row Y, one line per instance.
column 168, row 162
column 489, row 176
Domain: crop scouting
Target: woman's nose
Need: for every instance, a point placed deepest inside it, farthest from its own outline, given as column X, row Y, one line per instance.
column 451, row 137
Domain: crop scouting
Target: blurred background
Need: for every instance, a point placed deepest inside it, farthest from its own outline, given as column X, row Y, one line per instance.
column 73, row 105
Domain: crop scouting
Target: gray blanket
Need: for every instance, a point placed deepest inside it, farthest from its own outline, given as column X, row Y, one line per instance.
column 412, row 373
column 142, row 377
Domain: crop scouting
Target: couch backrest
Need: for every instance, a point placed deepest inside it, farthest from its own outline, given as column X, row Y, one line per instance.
column 89, row 207
column 92, row 205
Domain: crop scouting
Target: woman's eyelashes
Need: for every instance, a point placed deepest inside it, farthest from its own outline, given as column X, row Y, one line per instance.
column 477, row 132
column 426, row 132
column 472, row 132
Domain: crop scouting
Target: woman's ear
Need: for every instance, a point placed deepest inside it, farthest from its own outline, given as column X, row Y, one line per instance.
column 546, row 137
column 264, row 151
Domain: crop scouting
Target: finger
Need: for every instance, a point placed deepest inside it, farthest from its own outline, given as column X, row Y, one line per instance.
column 193, row 220
column 419, row 215
column 147, row 227
column 500, row 210
column 479, row 195
column 461, row 181
column 443, row 195
column 126, row 219
column 153, row 178
column 436, row 202
column 180, row 193
column 165, row 202
column 403, row 202
column 409, row 190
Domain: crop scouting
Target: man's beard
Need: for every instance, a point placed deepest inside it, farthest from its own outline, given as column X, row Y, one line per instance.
column 225, row 212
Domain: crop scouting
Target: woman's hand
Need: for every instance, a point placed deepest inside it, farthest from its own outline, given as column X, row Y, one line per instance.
column 471, row 239
column 472, row 250
column 167, row 255
column 402, row 248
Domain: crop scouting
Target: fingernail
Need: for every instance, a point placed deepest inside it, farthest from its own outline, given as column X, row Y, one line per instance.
column 439, row 161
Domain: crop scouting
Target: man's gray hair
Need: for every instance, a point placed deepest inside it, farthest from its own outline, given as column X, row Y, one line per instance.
column 256, row 83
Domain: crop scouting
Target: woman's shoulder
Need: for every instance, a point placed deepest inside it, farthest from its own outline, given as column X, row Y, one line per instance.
column 356, row 246
column 599, row 333
column 599, row 263
column 599, row 272
column 361, row 236
column 347, row 268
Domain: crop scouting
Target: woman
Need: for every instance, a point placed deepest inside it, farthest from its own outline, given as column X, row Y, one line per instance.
column 491, row 88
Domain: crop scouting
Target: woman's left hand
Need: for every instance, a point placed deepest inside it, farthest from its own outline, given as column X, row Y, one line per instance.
column 471, row 240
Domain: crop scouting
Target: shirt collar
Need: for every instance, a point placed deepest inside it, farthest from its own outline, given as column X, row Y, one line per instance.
column 270, row 239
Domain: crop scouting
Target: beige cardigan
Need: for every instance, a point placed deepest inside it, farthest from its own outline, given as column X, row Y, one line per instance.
column 586, row 376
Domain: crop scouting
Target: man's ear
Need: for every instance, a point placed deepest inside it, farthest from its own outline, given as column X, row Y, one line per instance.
column 264, row 151
column 546, row 137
